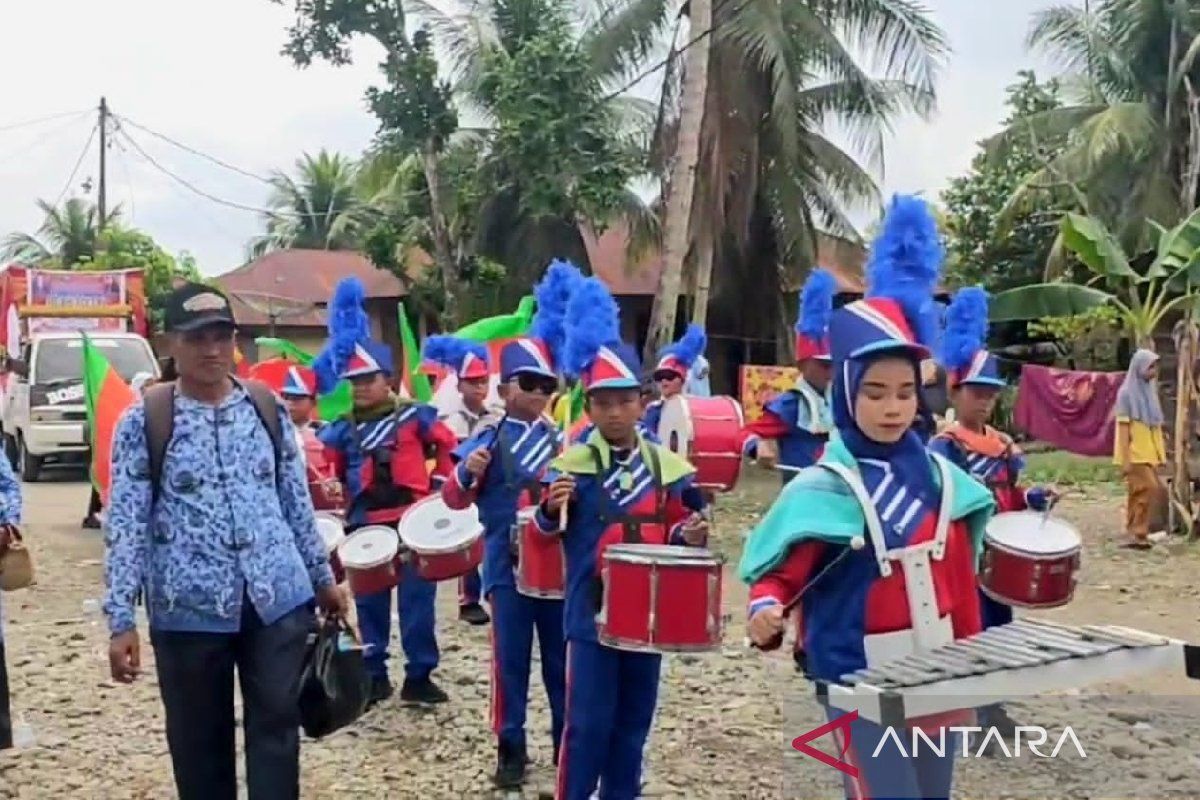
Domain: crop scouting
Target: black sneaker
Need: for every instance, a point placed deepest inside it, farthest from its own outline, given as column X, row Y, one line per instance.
column 422, row 691
column 474, row 614
column 91, row 523
column 510, row 766
column 381, row 689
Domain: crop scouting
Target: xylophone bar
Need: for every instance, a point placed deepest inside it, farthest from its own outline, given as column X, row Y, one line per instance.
column 1022, row 659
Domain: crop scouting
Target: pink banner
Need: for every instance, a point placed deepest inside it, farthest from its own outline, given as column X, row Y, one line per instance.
column 1070, row 410
column 77, row 290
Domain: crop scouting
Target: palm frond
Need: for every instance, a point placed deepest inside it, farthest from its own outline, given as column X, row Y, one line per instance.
column 624, row 34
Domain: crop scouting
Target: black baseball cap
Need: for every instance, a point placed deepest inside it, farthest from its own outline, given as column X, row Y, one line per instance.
column 193, row 306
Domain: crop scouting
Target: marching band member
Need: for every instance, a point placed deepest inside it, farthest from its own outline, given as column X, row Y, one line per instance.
column 469, row 360
column 500, row 469
column 378, row 454
column 672, row 370
column 794, row 426
column 875, row 482
column 989, row 455
column 617, row 486
column 300, row 395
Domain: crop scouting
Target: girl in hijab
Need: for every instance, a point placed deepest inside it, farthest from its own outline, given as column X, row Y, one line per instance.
column 1138, row 447
column 843, row 533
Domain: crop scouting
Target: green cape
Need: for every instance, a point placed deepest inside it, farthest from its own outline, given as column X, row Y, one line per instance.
column 819, row 505
column 578, row 458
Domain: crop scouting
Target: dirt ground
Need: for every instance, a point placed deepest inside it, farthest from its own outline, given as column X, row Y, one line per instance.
column 724, row 723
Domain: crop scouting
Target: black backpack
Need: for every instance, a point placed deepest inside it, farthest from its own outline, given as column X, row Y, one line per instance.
column 159, row 401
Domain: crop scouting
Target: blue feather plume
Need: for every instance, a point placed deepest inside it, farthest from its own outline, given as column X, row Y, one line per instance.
column 816, row 305
column 689, row 347
column 966, row 328
column 905, row 261
column 593, row 320
column 449, row 351
column 553, row 293
column 348, row 325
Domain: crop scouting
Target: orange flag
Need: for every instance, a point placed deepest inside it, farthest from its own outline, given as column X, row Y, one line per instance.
column 107, row 398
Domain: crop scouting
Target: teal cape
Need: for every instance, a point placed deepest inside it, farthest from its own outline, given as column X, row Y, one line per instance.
column 818, row 505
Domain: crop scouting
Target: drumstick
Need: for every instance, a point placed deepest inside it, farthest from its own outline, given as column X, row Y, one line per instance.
column 856, row 543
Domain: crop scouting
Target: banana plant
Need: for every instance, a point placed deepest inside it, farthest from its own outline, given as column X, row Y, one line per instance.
column 1143, row 299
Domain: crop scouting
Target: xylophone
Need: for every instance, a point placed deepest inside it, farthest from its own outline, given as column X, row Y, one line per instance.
column 1025, row 657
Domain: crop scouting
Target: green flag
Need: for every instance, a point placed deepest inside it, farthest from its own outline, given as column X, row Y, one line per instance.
column 414, row 380
column 505, row 326
column 329, row 406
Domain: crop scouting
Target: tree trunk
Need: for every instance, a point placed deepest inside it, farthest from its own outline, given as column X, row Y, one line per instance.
column 703, row 272
column 1181, row 479
column 683, row 178
column 442, row 251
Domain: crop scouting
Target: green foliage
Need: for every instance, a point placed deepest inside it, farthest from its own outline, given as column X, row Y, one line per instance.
column 559, row 145
column 318, row 207
column 66, row 236
column 980, row 250
column 119, row 247
column 1067, row 469
column 1090, row 339
column 415, row 110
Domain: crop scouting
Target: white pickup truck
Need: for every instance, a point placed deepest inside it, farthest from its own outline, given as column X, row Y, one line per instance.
column 43, row 411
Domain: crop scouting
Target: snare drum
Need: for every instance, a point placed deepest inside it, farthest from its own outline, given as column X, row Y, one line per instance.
column 660, row 598
column 442, row 543
column 333, row 533
column 369, row 558
column 541, row 561
column 1029, row 560
column 707, row 431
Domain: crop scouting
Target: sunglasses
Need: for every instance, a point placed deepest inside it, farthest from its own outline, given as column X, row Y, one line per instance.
column 536, row 383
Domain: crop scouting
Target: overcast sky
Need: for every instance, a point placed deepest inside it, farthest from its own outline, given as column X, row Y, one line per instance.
column 209, row 74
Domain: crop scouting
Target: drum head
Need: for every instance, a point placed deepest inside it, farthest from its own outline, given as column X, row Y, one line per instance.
column 1032, row 532
column 660, row 554
column 430, row 526
column 675, row 429
column 525, row 515
column 329, row 526
column 369, row 547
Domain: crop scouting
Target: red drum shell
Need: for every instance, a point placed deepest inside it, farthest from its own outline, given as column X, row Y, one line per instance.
column 660, row 599
column 442, row 544
column 369, row 558
column 1030, row 561
column 707, row 431
column 541, row 560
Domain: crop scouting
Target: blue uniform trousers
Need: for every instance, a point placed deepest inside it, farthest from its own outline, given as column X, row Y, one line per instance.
column 415, row 597
column 515, row 617
column 611, row 696
column 469, row 588
column 897, row 773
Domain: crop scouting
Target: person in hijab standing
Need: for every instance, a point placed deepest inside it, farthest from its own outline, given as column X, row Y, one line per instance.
column 1138, row 447
column 875, row 482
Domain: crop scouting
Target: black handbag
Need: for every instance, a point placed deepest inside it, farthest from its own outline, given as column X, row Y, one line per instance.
column 334, row 687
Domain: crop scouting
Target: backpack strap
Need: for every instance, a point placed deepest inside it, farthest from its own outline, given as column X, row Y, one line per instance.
column 266, row 405
column 159, row 402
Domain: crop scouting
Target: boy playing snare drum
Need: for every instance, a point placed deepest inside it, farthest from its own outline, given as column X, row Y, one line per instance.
column 615, row 486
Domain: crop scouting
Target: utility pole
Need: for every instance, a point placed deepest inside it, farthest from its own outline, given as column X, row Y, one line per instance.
column 102, row 199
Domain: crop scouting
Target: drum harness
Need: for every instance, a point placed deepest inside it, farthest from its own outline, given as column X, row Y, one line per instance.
column 384, row 492
column 631, row 524
column 513, row 481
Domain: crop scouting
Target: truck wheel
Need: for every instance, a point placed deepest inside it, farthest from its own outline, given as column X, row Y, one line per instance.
column 31, row 465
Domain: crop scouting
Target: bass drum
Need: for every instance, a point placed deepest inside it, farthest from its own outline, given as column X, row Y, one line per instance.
column 707, row 431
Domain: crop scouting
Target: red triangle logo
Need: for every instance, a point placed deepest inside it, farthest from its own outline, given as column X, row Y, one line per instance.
column 800, row 743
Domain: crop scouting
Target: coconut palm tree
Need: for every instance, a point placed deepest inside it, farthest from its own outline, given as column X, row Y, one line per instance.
column 771, row 175
column 1133, row 132
column 319, row 207
column 66, row 237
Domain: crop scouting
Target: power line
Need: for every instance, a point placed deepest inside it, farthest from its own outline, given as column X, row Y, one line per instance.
column 646, row 73
column 38, row 141
column 82, row 154
column 232, row 167
column 15, row 125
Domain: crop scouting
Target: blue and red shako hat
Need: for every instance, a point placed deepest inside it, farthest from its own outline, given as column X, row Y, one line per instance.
column 812, row 321
column 679, row 357
column 299, row 382
column 898, row 312
column 541, row 352
column 964, row 351
column 350, row 351
column 594, row 350
column 468, row 360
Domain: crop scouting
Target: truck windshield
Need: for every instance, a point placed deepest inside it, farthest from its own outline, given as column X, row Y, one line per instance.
column 61, row 360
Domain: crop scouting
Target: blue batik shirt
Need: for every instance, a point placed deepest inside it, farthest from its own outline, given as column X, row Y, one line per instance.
column 226, row 527
column 10, row 509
